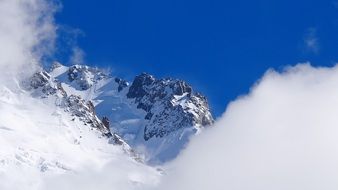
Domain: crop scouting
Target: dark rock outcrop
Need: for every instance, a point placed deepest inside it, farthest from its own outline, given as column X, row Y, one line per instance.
column 170, row 104
column 122, row 84
column 84, row 76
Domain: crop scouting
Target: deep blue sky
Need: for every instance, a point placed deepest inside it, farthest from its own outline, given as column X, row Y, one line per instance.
column 221, row 47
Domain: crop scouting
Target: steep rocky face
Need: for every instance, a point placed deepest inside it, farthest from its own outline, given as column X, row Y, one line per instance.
column 44, row 85
column 85, row 112
column 84, row 76
column 170, row 104
column 121, row 84
column 48, row 86
column 155, row 116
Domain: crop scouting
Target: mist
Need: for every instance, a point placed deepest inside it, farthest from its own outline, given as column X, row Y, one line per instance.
column 27, row 33
column 282, row 135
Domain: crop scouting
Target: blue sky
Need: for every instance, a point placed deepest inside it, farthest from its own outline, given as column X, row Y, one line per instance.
column 220, row 47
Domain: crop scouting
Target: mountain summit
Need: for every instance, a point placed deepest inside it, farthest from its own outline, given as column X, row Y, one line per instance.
column 156, row 117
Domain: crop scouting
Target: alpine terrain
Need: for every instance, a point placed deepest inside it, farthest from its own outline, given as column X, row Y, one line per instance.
column 65, row 119
column 155, row 117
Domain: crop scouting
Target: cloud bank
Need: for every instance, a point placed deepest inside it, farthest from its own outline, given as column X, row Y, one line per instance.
column 283, row 135
column 27, row 33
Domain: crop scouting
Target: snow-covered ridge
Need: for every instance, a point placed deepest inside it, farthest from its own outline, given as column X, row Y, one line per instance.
column 46, row 134
column 155, row 117
column 67, row 119
column 43, row 85
column 170, row 104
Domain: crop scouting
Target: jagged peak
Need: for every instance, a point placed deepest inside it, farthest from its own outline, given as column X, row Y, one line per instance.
column 156, row 109
column 144, row 83
column 85, row 76
column 122, row 83
column 86, row 69
column 144, row 78
column 55, row 65
column 47, row 84
column 138, row 86
column 39, row 79
column 170, row 104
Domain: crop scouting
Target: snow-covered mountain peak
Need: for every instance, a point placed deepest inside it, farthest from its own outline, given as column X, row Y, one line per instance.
column 46, row 142
column 170, row 104
column 90, row 117
column 155, row 117
column 43, row 85
column 55, row 65
column 84, row 76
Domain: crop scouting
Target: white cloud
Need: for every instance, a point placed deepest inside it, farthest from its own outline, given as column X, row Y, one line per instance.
column 283, row 135
column 77, row 57
column 27, row 32
column 67, row 44
column 311, row 41
column 40, row 148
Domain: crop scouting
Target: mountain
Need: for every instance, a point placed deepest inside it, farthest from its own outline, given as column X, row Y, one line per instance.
column 73, row 123
column 44, row 86
column 50, row 139
column 155, row 117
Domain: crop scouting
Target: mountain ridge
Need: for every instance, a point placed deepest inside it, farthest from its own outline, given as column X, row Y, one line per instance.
column 156, row 117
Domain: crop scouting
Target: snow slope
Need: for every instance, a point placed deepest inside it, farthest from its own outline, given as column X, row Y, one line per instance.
column 155, row 116
column 77, row 127
column 45, row 142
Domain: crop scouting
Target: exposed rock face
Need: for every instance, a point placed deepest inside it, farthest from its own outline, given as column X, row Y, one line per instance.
column 85, row 112
column 55, row 65
column 84, row 76
column 122, row 84
column 106, row 122
column 157, row 114
column 170, row 104
column 46, row 86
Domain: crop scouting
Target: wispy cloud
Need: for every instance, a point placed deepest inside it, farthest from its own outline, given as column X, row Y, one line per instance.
column 77, row 57
column 67, row 45
column 311, row 41
column 27, row 33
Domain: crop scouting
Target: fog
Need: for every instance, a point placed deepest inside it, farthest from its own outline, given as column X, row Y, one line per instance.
column 282, row 135
column 27, row 33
